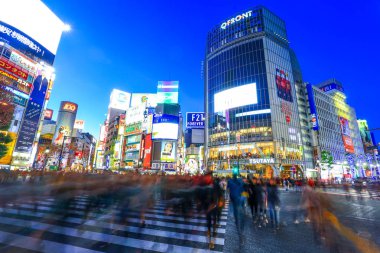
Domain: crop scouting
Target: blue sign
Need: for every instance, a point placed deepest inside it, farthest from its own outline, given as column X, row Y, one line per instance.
column 195, row 120
column 313, row 108
column 29, row 125
column 165, row 118
column 332, row 86
column 24, row 43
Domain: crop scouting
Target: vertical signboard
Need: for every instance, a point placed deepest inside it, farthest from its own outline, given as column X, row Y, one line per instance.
column 167, row 92
column 147, row 151
column 346, row 135
column 365, row 133
column 313, row 108
column 32, row 115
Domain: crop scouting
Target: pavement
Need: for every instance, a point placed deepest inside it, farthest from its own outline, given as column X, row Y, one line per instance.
column 25, row 229
column 357, row 212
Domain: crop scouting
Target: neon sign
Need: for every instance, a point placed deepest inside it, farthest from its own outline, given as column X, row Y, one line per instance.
column 236, row 19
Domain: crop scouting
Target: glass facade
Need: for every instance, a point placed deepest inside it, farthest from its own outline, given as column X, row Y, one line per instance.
column 251, row 48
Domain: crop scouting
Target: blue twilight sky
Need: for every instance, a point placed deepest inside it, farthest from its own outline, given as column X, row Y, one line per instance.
column 130, row 45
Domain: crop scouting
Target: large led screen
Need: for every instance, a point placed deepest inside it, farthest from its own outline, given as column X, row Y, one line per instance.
column 167, row 92
column 165, row 127
column 35, row 19
column 235, row 97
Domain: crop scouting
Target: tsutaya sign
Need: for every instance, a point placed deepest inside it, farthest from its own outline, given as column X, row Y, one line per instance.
column 236, row 19
column 261, row 160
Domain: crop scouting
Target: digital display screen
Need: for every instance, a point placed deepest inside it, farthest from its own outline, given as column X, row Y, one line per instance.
column 235, row 97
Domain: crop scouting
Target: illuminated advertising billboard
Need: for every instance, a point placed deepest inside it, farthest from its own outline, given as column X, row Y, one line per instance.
column 48, row 114
column 165, row 127
column 147, row 151
column 133, row 129
column 284, row 87
column 65, row 121
column 79, row 124
column 235, row 97
column 168, row 151
column 313, row 108
column 119, row 99
column 167, row 92
column 365, row 134
column 195, row 120
column 331, row 87
column 346, row 135
column 21, row 28
column 148, row 99
column 32, row 115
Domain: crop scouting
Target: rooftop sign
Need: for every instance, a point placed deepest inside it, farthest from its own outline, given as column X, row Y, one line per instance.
column 238, row 18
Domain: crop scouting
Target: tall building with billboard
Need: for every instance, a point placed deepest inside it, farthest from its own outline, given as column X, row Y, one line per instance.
column 335, row 130
column 253, row 121
column 65, row 121
column 27, row 50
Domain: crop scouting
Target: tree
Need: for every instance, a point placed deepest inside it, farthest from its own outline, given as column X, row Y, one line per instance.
column 3, row 150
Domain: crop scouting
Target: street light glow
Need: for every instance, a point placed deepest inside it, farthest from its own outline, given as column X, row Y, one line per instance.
column 66, row 28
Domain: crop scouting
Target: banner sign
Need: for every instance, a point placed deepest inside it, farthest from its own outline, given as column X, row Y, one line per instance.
column 195, row 120
column 32, row 116
column 313, row 108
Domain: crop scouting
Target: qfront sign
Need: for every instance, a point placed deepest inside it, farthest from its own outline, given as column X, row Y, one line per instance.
column 236, row 19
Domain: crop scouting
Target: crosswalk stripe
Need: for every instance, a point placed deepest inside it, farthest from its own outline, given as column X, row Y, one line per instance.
column 155, row 210
column 31, row 243
column 157, row 216
column 163, row 232
column 102, row 237
column 109, row 216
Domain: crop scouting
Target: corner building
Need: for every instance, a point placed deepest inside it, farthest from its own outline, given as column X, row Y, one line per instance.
column 250, row 98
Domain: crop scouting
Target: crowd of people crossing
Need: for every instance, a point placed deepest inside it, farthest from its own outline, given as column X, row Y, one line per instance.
column 256, row 200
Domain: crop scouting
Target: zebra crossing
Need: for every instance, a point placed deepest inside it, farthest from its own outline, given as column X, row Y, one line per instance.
column 29, row 227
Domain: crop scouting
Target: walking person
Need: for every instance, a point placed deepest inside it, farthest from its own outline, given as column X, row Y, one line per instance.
column 236, row 188
column 273, row 204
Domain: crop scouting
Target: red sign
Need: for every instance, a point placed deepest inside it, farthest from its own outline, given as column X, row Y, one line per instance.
column 13, row 68
column 147, row 151
column 71, row 107
column 346, row 135
column 48, row 114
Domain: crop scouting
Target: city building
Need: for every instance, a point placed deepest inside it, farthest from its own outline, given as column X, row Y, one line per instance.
column 338, row 148
column 251, row 100
column 26, row 77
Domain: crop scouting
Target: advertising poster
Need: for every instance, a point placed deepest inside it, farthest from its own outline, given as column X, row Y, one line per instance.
column 195, row 120
column 284, row 88
column 167, row 92
column 79, row 124
column 165, row 127
column 147, row 151
column 135, row 114
column 365, row 133
column 119, row 99
column 65, row 121
column 32, row 116
column 168, row 151
column 313, row 110
column 48, row 114
column 346, row 135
